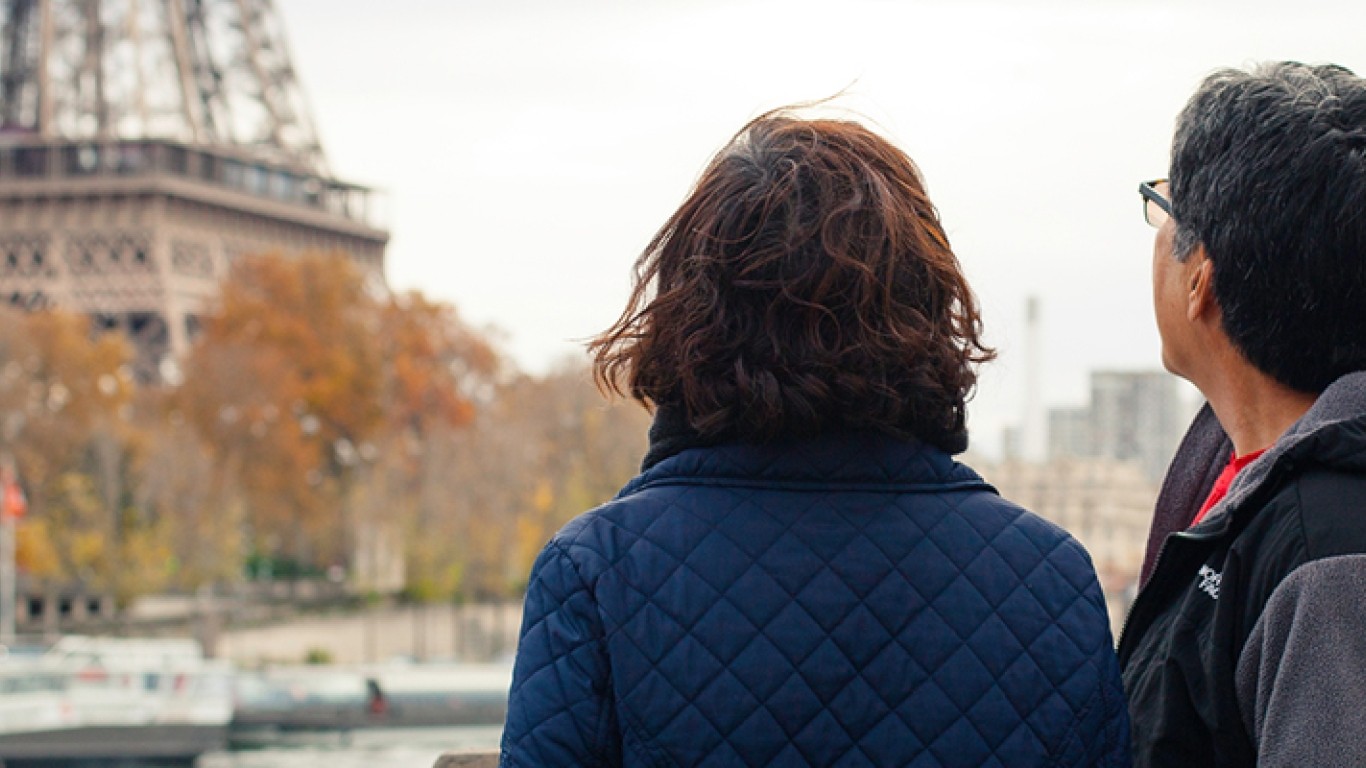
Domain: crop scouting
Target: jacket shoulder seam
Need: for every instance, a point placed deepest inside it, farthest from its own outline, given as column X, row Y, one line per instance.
column 1316, row 547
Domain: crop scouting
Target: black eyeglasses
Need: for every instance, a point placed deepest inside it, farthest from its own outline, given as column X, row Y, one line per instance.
column 1157, row 207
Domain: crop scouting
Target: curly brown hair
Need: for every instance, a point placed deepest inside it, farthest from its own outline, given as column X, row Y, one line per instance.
column 805, row 285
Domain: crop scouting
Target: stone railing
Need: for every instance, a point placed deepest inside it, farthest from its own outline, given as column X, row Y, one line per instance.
column 467, row 760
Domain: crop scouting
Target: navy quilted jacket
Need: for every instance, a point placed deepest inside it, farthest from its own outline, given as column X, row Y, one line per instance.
column 849, row 600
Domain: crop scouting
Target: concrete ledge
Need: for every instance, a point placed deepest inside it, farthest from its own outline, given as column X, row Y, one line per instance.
column 467, row 760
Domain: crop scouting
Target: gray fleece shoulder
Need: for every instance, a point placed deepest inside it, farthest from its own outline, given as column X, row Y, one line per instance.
column 1301, row 678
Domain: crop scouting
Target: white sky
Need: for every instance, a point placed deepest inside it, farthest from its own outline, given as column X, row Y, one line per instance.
column 529, row 148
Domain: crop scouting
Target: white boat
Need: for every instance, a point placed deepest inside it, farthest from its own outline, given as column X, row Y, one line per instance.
column 443, row 694
column 102, row 700
column 291, row 704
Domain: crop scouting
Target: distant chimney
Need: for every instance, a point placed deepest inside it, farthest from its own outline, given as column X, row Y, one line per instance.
column 1034, row 424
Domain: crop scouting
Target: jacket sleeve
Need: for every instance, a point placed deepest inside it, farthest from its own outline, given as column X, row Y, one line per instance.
column 1301, row 678
column 1111, row 742
column 560, row 707
column 1117, row 747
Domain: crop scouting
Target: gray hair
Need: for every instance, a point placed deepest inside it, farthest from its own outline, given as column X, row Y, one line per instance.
column 1268, row 172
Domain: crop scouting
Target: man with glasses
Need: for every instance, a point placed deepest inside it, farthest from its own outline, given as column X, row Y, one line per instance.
column 1247, row 642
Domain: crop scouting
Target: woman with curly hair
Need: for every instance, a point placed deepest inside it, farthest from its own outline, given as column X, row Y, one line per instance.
column 802, row 574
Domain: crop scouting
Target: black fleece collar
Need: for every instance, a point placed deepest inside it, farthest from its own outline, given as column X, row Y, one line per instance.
column 1332, row 433
column 670, row 434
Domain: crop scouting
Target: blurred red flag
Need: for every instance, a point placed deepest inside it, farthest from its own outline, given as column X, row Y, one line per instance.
column 15, row 505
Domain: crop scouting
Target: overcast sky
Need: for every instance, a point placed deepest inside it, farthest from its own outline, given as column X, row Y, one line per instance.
column 530, row 148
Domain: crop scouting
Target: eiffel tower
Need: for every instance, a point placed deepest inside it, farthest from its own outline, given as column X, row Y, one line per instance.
column 145, row 145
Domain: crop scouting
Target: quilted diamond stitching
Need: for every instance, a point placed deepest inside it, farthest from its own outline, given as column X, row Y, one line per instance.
column 724, row 563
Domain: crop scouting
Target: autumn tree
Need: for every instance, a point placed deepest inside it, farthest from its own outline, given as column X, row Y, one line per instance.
column 317, row 391
column 285, row 372
column 438, row 373
column 319, row 416
column 66, row 398
column 544, row 449
column 177, row 482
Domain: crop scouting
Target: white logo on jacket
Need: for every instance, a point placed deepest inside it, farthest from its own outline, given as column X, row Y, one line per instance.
column 1209, row 581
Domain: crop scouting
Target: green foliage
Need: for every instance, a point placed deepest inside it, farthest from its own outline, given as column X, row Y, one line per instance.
column 259, row 566
column 317, row 655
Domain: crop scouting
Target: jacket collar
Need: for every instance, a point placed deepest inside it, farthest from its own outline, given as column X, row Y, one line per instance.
column 845, row 459
column 1332, row 433
column 670, row 434
column 1199, row 459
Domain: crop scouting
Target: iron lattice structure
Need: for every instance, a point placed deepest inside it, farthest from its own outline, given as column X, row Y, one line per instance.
column 145, row 144
column 213, row 72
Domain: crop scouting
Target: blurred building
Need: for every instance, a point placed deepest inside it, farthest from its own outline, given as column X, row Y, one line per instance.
column 1137, row 416
column 1012, row 445
column 1106, row 504
column 1069, row 433
column 144, row 147
column 378, row 564
column 1100, row 480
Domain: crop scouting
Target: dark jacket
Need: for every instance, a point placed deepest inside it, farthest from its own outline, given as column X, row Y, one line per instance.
column 1247, row 644
column 847, row 600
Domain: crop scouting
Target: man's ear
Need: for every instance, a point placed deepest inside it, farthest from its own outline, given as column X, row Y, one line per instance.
column 1200, row 282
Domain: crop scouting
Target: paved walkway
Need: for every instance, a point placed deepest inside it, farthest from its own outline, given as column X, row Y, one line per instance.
column 444, row 632
column 468, row 760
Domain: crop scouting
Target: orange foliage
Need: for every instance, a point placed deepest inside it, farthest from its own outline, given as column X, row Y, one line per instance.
column 319, row 417
column 57, row 386
column 435, row 364
column 66, row 397
column 306, row 372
